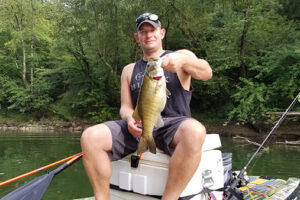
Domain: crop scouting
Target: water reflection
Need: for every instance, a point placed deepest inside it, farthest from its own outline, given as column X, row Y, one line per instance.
column 279, row 160
column 21, row 152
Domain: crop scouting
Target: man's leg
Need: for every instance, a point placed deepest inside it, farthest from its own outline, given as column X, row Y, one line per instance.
column 187, row 141
column 96, row 141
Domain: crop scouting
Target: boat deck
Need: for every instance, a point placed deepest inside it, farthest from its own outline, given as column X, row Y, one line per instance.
column 122, row 195
column 259, row 188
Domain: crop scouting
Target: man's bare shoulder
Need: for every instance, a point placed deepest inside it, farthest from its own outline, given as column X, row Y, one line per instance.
column 126, row 72
column 128, row 69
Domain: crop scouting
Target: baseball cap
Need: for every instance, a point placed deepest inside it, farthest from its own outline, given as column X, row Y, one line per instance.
column 149, row 18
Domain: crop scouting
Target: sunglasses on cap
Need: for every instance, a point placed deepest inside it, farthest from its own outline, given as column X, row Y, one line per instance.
column 147, row 16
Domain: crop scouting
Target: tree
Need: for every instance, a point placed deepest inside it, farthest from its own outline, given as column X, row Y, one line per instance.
column 66, row 57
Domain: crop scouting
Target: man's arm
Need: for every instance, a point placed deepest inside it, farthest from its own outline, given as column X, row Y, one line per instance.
column 126, row 109
column 185, row 61
column 198, row 68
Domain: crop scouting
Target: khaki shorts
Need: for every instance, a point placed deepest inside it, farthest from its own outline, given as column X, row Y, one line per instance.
column 123, row 143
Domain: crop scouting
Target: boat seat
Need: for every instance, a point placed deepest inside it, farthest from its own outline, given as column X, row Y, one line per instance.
column 150, row 176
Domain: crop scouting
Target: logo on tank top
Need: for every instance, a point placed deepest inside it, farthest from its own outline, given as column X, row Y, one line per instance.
column 137, row 83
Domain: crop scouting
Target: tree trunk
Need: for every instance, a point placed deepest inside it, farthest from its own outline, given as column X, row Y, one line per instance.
column 100, row 55
column 116, row 39
column 84, row 59
column 98, row 32
column 166, row 35
column 24, row 63
column 189, row 33
column 20, row 25
column 32, row 45
column 243, row 45
column 32, row 64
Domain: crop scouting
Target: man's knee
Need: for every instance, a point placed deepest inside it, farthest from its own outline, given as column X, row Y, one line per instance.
column 98, row 136
column 193, row 134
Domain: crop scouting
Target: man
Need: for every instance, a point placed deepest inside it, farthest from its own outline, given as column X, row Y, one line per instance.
column 181, row 136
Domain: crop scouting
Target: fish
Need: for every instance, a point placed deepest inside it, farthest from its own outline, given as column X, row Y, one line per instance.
column 150, row 103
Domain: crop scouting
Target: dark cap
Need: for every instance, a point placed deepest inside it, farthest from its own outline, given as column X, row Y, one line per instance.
column 149, row 18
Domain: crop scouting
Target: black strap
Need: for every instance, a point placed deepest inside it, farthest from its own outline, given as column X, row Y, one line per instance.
column 204, row 190
column 232, row 191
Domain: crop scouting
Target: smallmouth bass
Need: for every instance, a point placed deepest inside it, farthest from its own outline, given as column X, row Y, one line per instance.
column 151, row 102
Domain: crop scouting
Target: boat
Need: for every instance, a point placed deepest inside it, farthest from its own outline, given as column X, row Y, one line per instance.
column 145, row 178
column 271, row 188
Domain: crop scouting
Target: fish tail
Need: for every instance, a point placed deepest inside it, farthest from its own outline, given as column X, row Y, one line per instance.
column 145, row 144
column 142, row 146
column 151, row 145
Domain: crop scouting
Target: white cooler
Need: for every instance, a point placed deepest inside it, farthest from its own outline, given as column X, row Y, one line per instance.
column 150, row 177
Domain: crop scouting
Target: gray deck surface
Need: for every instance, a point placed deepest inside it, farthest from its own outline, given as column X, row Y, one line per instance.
column 121, row 195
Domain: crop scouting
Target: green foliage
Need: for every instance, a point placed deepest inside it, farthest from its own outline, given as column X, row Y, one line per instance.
column 274, row 86
column 105, row 114
column 251, row 102
column 3, row 94
column 65, row 58
column 33, row 99
column 291, row 8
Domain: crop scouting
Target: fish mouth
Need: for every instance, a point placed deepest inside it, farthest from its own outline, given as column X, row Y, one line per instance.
column 157, row 78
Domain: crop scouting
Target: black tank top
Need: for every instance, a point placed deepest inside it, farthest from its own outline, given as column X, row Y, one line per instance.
column 178, row 103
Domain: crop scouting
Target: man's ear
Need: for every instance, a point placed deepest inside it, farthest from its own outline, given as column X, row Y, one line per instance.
column 136, row 36
column 163, row 33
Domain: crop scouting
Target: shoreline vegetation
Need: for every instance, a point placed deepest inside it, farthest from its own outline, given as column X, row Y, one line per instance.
column 287, row 130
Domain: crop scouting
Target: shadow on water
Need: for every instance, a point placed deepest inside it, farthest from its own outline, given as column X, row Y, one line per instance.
column 21, row 152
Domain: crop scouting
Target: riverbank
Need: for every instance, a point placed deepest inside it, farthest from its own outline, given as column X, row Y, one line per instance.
column 286, row 130
column 42, row 126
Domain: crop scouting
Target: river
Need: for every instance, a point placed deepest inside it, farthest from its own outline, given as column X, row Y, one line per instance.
column 21, row 152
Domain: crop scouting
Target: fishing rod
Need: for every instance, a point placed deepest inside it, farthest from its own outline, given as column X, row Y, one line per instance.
column 240, row 177
column 39, row 169
column 36, row 188
column 283, row 116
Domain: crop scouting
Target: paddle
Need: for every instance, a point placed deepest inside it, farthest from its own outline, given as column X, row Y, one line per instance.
column 240, row 178
column 38, row 170
column 36, row 188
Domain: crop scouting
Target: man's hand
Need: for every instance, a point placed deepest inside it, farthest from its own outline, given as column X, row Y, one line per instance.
column 172, row 62
column 187, row 62
column 133, row 128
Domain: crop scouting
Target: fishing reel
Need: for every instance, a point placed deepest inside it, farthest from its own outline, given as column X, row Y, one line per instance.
column 232, row 191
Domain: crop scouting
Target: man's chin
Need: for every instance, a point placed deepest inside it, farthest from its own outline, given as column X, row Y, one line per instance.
column 151, row 44
column 150, row 47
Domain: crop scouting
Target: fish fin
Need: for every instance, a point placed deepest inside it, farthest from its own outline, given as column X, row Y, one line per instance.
column 159, row 122
column 168, row 92
column 136, row 115
column 142, row 146
column 151, row 145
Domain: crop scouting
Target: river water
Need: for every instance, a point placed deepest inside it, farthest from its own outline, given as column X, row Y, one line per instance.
column 21, row 152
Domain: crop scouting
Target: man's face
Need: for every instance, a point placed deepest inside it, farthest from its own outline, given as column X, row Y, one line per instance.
column 149, row 37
